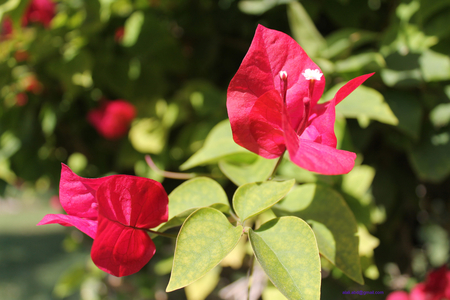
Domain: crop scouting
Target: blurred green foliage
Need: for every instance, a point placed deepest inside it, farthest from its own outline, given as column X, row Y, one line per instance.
column 174, row 62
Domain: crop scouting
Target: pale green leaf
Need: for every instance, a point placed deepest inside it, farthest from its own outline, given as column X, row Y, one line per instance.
column 133, row 27
column 303, row 29
column 242, row 173
column 218, row 144
column 364, row 101
column 287, row 251
column 205, row 238
column 355, row 63
column 358, row 181
column 324, row 206
column 253, row 198
column 257, row 7
column 192, row 194
column 147, row 135
column 435, row 66
column 440, row 115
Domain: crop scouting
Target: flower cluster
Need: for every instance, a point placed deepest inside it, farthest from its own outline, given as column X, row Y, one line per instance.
column 116, row 211
column 272, row 104
column 435, row 287
column 112, row 119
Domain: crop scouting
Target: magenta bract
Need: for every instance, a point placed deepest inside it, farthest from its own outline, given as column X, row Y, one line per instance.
column 113, row 118
column 272, row 105
column 116, row 211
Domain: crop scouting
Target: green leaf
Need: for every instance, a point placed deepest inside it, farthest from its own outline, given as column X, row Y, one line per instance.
column 133, row 27
column 192, row 194
column 356, row 63
column 287, row 251
column 148, row 136
column 430, row 159
column 205, row 238
column 364, row 102
column 257, row 7
column 435, row 66
column 323, row 206
column 303, row 29
column 218, row 144
column 240, row 174
column 440, row 115
column 408, row 110
column 253, row 198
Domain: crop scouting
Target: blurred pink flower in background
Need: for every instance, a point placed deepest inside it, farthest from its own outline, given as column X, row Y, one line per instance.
column 6, row 28
column 39, row 11
column 435, row 287
column 112, row 119
column 118, row 35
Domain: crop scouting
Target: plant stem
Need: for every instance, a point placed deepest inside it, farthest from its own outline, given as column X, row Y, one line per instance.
column 276, row 167
column 249, row 275
column 166, row 174
column 162, row 233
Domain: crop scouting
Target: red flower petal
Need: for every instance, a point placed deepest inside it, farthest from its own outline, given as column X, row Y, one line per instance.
column 350, row 86
column 127, row 206
column 133, row 201
column 120, row 250
column 271, row 51
column 316, row 157
column 323, row 123
column 265, row 125
column 87, row 226
column 77, row 194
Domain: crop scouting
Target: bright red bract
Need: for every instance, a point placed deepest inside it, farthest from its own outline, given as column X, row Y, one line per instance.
column 113, row 118
column 39, row 11
column 115, row 211
column 272, row 105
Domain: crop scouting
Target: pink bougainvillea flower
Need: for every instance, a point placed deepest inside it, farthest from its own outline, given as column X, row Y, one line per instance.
column 118, row 35
column 77, row 198
column 398, row 295
column 113, row 118
column 39, row 11
column 6, row 28
column 435, row 287
column 115, row 211
column 128, row 205
column 272, row 104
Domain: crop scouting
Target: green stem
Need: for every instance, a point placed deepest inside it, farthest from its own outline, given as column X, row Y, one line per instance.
column 162, row 233
column 276, row 167
column 166, row 174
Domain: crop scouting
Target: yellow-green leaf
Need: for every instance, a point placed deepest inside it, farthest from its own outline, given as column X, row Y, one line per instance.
column 332, row 221
column 205, row 238
column 287, row 251
column 253, row 198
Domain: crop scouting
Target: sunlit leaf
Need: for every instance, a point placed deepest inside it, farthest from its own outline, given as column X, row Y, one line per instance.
column 303, row 29
column 435, row 66
column 205, row 238
column 332, row 221
column 200, row 289
column 287, row 251
column 133, row 28
column 253, row 198
column 192, row 194
column 242, row 173
column 218, row 144
column 364, row 101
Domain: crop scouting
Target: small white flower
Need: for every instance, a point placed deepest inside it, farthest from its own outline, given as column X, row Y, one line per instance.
column 312, row 74
column 283, row 75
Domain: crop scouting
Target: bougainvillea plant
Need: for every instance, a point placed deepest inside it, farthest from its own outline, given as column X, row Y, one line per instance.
column 273, row 106
column 116, row 211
